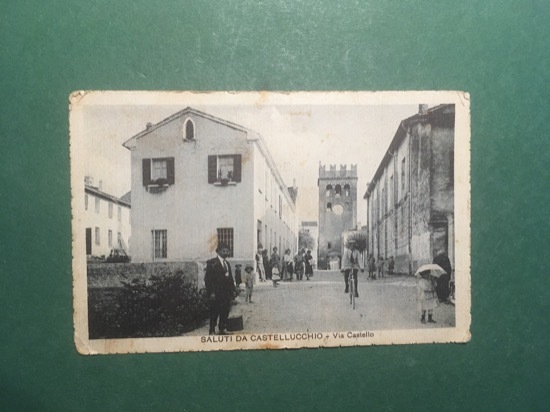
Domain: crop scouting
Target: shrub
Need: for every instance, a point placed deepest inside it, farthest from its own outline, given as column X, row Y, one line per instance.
column 360, row 239
column 166, row 304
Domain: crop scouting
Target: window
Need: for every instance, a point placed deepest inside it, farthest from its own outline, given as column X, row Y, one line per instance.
column 97, row 242
column 338, row 190
column 224, row 169
column 119, row 213
column 158, row 172
column 329, row 245
column 347, row 190
column 97, row 204
column 110, row 238
column 85, row 202
column 160, row 250
column 403, row 164
column 390, row 193
column 329, row 190
column 110, row 211
column 189, row 130
column 329, row 206
column 225, row 235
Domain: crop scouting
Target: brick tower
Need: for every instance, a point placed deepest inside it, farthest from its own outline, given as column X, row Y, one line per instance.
column 337, row 209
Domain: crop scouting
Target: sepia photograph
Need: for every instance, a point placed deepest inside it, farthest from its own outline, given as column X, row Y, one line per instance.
column 269, row 220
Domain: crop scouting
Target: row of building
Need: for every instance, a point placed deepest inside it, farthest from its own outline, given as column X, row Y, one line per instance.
column 198, row 180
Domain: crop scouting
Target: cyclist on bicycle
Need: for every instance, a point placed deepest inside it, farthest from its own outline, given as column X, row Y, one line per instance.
column 352, row 263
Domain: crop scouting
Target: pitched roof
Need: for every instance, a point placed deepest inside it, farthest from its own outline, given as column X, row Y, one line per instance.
column 106, row 196
column 187, row 110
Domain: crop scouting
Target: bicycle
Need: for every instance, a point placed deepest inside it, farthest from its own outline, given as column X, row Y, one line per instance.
column 351, row 285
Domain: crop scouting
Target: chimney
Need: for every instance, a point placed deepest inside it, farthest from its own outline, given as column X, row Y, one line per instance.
column 148, row 126
column 422, row 109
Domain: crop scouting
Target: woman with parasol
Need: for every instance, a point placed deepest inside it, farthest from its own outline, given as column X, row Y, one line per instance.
column 425, row 290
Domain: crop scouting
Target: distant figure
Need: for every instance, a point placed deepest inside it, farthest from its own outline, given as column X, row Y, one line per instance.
column 220, row 288
column 238, row 278
column 352, row 264
column 426, row 296
column 287, row 265
column 381, row 264
column 443, row 288
column 267, row 265
column 299, row 265
column 260, row 263
column 391, row 265
column 372, row 267
column 309, row 268
column 248, row 279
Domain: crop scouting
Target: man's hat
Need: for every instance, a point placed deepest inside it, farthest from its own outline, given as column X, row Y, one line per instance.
column 249, row 266
column 238, row 265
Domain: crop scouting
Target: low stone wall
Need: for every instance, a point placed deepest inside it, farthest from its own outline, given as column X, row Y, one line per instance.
column 111, row 275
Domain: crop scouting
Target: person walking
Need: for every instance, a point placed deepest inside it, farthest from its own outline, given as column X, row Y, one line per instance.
column 442, row 287
column 426, row 296
column 372, row 267
column 220, row 289
column 267, row 265
column 309, row 268
column 391, row 265
column 381, row 264
column 299, row 265
column 275, row 264
column 248, row 279
column 352, row 264
column 260, row 263
column 287, row 265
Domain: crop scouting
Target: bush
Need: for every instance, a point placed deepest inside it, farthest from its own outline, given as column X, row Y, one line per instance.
column 360, row 239
column 166, row 304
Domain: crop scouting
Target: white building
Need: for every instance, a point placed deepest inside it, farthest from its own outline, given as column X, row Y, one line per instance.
column 198, row 180
column 107, row 220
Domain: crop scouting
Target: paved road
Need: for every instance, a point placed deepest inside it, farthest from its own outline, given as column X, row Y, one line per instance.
column 320, row 305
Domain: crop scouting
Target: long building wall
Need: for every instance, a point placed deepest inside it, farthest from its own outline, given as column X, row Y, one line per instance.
column 410, row 202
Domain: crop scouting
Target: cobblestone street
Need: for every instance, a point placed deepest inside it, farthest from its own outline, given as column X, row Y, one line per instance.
column 320, row 305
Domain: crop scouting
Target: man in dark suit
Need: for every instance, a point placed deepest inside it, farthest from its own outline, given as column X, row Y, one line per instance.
column 220, row 288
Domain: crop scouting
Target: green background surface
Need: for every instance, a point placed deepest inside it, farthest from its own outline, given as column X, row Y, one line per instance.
column 496, row 50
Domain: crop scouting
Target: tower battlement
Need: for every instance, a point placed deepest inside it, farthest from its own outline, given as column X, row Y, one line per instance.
column 334, row 172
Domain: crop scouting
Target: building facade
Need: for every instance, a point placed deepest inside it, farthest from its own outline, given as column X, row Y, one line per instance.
column 107, row 220
column 337, row 209
column 198, row 180
column 410, row 200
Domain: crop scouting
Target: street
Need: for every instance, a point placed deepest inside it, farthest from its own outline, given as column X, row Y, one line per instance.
column 320, row 305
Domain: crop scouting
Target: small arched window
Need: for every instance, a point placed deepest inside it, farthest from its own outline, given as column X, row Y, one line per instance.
column 189, row 130
column 338, row 190
column 347, row 190
column 329, row 190
column 329, row 206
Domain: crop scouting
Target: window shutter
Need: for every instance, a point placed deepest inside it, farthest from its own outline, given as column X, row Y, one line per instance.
column 212, row 166
column 237, row 168
column 146, row 166
column 170, row 176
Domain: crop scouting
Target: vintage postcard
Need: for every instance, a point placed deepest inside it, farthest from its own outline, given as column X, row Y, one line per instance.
column 269, row 220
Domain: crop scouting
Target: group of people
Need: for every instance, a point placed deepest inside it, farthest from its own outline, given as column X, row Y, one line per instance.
column 277, row 268
column 221, row 286
column 380, row 266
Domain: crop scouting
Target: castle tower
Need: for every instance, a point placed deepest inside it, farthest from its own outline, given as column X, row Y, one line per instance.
column 337, row 209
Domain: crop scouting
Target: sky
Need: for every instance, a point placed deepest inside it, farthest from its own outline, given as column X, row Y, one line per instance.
column 299, row 136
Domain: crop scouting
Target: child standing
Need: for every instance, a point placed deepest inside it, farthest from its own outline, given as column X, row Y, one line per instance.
column 248, row 279
column 426, row 296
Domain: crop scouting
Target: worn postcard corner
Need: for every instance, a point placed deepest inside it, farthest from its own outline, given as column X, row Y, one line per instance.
column 264, row 220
